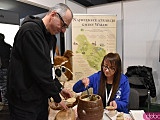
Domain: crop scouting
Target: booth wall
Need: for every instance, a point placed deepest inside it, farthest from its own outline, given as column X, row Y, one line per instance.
column 142, row 36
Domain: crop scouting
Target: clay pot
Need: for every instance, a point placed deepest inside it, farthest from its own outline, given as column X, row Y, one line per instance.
column 90, row 109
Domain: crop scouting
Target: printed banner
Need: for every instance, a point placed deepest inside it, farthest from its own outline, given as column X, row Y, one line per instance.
column 93, row 36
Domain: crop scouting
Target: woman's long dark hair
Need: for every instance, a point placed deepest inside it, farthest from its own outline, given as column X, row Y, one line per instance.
column 114, row 60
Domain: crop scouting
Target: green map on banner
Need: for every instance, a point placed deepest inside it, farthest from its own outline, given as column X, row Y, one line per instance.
column 91, row 53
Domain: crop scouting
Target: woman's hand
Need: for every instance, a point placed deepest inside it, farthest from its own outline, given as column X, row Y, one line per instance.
column 114, row 104
column 66, row 93
column 85, row 81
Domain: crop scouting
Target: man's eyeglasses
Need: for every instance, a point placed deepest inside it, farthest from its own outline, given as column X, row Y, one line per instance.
column 64, row 24
column 111, row 69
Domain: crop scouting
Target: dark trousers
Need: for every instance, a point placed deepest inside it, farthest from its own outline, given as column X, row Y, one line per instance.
column 40, row 113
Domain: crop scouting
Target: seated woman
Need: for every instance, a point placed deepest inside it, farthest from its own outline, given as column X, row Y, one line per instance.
column 109, row 83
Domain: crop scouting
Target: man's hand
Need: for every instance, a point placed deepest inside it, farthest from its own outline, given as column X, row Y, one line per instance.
column 62, row 104
column 66, row 93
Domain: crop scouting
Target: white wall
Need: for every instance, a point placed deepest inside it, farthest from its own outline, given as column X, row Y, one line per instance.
column 142, row 36
column 142, row 32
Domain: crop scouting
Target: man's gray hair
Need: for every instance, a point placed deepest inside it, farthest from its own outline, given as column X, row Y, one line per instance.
column 60, row 8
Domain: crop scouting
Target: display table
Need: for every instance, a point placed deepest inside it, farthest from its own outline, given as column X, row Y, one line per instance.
column 53, row 113
column 69, row 85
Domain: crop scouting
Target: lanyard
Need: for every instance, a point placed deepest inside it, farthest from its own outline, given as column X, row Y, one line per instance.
column 108, row 97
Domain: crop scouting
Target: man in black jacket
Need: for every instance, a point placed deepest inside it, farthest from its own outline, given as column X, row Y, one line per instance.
column 30, row 78
column 5, row 50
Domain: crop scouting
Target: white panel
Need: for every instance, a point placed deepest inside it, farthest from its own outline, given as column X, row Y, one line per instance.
column 142, row 36
column 141, row 27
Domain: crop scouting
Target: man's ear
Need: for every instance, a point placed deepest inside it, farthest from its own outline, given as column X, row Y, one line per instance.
column 52, row 15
